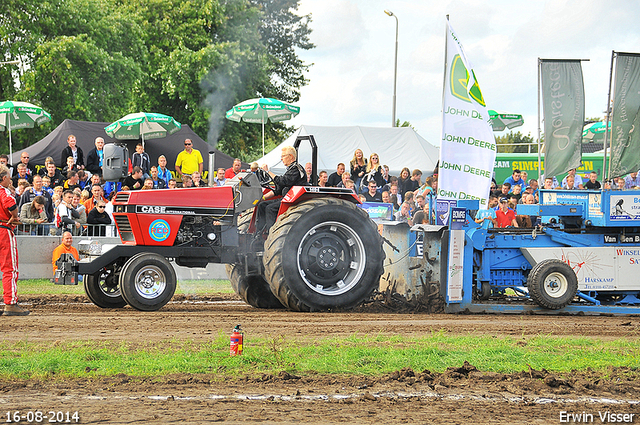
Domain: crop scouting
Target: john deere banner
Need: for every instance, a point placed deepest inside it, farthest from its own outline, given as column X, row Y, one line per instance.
column 468, row 147
column 563, row 105
column 625, row 142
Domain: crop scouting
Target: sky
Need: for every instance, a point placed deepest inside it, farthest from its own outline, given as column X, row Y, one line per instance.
column 351, row 79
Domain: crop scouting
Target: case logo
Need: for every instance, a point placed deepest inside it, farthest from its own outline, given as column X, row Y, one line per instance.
column 159, row 230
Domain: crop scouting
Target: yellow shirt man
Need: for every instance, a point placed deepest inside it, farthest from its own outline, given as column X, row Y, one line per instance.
column 189, row 160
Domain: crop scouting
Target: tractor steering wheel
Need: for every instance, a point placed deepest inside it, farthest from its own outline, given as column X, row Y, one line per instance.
column 265, row 179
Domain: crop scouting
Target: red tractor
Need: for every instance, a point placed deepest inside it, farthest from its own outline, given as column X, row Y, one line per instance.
column 322, row 253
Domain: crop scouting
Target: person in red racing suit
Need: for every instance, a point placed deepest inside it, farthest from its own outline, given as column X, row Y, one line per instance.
column 9, row 246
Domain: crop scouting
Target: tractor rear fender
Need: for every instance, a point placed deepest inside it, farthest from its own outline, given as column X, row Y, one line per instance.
column 298, row 194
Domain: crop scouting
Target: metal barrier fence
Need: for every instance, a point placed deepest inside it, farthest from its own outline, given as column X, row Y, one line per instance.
column 50, row 229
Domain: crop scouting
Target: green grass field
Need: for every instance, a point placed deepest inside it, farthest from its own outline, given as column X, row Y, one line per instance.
column 356, row 354
column 186, row 287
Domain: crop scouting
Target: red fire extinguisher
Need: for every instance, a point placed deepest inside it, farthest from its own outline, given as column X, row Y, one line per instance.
column 236, row 341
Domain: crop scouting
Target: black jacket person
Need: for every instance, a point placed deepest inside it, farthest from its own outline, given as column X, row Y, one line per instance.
column 293, row 176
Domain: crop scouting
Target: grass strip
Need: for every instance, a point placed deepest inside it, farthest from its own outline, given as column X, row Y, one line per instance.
column 356, row 355
column 186, row 287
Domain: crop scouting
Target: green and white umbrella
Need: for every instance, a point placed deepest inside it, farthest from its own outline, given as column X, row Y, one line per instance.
column 145, row 125
column 594, row 131
column 500, row 122
column 261, row 110
column 14, row 115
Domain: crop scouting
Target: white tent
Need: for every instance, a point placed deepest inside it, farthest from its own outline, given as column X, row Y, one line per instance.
column 397, row 147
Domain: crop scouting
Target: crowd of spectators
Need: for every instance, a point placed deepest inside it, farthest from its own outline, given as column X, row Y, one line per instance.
column 518, row 189
column 72, row 194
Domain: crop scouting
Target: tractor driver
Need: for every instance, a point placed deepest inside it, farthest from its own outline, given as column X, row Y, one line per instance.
column 293, row 176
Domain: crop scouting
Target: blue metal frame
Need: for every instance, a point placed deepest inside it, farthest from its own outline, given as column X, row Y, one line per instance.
column 495, row 256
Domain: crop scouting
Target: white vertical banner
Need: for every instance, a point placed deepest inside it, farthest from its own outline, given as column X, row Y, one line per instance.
column 468, row 146
column 455, row 276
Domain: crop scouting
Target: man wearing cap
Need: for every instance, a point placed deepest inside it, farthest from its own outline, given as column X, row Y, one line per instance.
column 505, row 216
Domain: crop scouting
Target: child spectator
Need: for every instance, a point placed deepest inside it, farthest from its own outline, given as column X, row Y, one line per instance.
column 593, row 183
column 69, row 166
column 141, row 159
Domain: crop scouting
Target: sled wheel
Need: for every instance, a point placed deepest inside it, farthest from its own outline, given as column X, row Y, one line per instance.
column 552, row 284
column 485, row 291
column 323, row 253
column 102, row 288
column 147, row 281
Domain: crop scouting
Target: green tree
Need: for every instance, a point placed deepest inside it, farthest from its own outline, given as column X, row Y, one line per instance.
column 281, row 32
column 191, row 59
column 404, row 124
column 516, row 142
column 79, row 59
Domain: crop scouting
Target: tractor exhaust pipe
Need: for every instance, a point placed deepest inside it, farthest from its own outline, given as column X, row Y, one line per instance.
column 212, row 161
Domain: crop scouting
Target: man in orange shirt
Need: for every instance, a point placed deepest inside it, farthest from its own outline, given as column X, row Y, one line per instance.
column 65, row 247
column 98, row 195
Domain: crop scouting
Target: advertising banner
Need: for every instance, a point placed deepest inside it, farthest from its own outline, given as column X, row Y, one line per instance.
column 625, row 142
column 468, row 147
column 563, row 106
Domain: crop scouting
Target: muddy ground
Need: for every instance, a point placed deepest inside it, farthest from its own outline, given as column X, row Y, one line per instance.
column 461, row 395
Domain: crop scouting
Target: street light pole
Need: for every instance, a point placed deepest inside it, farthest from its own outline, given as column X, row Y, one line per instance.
column 13, row 62
column 395, row 70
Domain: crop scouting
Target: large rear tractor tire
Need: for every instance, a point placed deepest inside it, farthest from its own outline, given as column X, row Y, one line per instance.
column 552, row 284
column 322, row 254
column 147, row 281
column 253, row 290
column 102, row 288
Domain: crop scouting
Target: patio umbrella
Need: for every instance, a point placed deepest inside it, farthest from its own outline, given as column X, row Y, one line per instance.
column 15, row 115
column 261, row 110
column 147, row 125
column 500, row 122
column 594, row 131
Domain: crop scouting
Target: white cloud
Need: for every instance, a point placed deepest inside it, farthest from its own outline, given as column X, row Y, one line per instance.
column 352, row 77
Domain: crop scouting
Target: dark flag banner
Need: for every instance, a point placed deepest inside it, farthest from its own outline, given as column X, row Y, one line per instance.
column 625, row 133
column 563, row 106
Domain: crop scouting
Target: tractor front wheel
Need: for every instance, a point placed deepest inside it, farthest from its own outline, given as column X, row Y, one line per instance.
column 147, row 281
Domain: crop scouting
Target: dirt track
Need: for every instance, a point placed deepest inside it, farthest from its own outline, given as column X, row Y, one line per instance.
column 461, row 395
